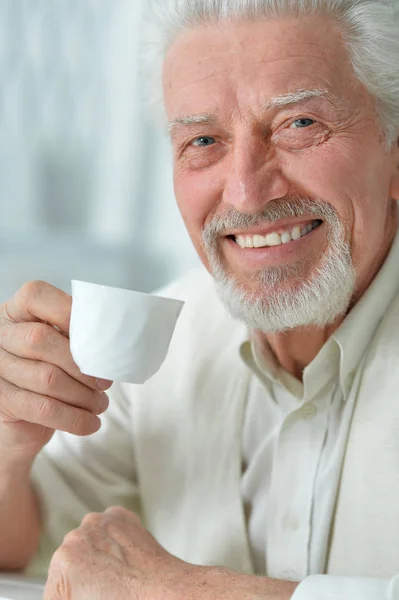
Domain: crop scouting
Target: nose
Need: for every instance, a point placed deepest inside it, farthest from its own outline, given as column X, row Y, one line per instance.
column 253, row 178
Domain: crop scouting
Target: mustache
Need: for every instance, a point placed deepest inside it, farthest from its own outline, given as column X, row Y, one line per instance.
column 276, row 210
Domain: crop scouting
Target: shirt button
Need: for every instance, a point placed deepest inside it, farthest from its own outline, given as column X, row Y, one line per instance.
column 307, row 412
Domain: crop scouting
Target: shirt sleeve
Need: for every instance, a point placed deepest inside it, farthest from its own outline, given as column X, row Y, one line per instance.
column 73, row 476
column 327, row 587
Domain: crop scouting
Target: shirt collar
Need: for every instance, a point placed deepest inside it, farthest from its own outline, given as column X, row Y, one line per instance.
column 358, row 328
column 265, row 368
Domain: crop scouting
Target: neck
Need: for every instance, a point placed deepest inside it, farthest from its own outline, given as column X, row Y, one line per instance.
column 295, row 349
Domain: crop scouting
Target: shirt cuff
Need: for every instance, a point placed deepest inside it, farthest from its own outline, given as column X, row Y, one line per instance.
column 327, row 587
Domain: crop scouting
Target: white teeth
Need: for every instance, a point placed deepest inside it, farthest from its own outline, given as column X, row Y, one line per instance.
column 286, row 237
column 274, row 239
column 296, row 233
column 259, row 241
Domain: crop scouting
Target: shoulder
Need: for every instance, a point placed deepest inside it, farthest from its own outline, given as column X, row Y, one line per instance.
column 203, row 352
column 206, row 340
column 188, row 286
column 203, row 310
column 387, row 333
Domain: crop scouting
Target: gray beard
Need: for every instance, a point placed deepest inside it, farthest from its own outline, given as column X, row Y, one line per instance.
column 273, row 305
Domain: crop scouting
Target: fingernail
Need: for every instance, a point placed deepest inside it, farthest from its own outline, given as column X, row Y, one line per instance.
column 103, row 384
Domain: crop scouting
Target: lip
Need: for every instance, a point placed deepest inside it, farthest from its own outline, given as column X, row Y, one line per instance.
column 272, row 255
column 278, row 227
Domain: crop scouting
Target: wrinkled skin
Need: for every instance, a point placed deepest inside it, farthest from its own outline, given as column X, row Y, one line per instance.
column 112, row 557
column 254, row 156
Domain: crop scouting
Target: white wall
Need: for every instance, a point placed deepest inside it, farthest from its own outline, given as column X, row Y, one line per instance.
column 85, row 180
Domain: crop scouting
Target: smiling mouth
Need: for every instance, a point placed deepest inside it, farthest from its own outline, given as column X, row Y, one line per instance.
column 275, row 239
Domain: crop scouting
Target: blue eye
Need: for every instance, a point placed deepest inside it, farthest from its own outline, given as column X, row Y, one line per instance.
column 204, row 141
column 301, row 123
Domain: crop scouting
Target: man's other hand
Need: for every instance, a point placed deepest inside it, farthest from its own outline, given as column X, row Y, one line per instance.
column 111, row 556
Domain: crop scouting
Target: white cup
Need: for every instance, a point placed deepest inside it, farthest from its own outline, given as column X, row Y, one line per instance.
column 119, row 334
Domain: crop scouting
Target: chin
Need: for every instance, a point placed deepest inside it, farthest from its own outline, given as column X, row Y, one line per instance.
column 271, row 280
column 277, row 300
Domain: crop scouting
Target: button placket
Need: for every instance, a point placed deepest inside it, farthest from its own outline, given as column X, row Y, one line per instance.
column 291, row 498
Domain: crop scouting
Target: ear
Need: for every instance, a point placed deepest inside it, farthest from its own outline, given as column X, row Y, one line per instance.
column 394, row 189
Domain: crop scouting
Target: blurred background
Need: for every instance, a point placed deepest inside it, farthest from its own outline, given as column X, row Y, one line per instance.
column 85, row 178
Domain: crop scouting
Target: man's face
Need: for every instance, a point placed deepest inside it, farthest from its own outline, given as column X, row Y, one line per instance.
column 269, row 159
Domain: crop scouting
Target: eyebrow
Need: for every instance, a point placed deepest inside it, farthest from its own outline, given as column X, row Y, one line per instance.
column 296, row 97
column 205, row 118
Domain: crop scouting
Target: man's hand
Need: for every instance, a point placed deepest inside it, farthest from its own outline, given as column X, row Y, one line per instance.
column 112, row 557
column 41, row 388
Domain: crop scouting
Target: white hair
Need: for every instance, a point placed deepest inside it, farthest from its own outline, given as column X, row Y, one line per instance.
column 370, row 29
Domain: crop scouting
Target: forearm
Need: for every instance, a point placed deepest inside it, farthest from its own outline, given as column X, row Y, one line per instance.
column 209, row 583
column 19, row 517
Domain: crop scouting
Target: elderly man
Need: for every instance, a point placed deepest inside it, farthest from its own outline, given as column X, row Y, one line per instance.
column 263, row 457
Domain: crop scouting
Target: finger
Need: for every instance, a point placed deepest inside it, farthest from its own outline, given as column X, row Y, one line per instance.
column 100, row 535
column 49, row 380
column 19, row 405
column 38, row 341
column 96, row 539
column 126, row 528
column 91, row 519
column 39, row 300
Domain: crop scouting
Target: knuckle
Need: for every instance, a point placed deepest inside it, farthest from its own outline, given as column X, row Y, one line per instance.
column 47, row 410
column 72, row 538
column 64, row 558
column 78, row 420
column 7, row 405
column 50, row 377
column 30, row 289
column 92, row 519
column 36, row 335
column 81, row 422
